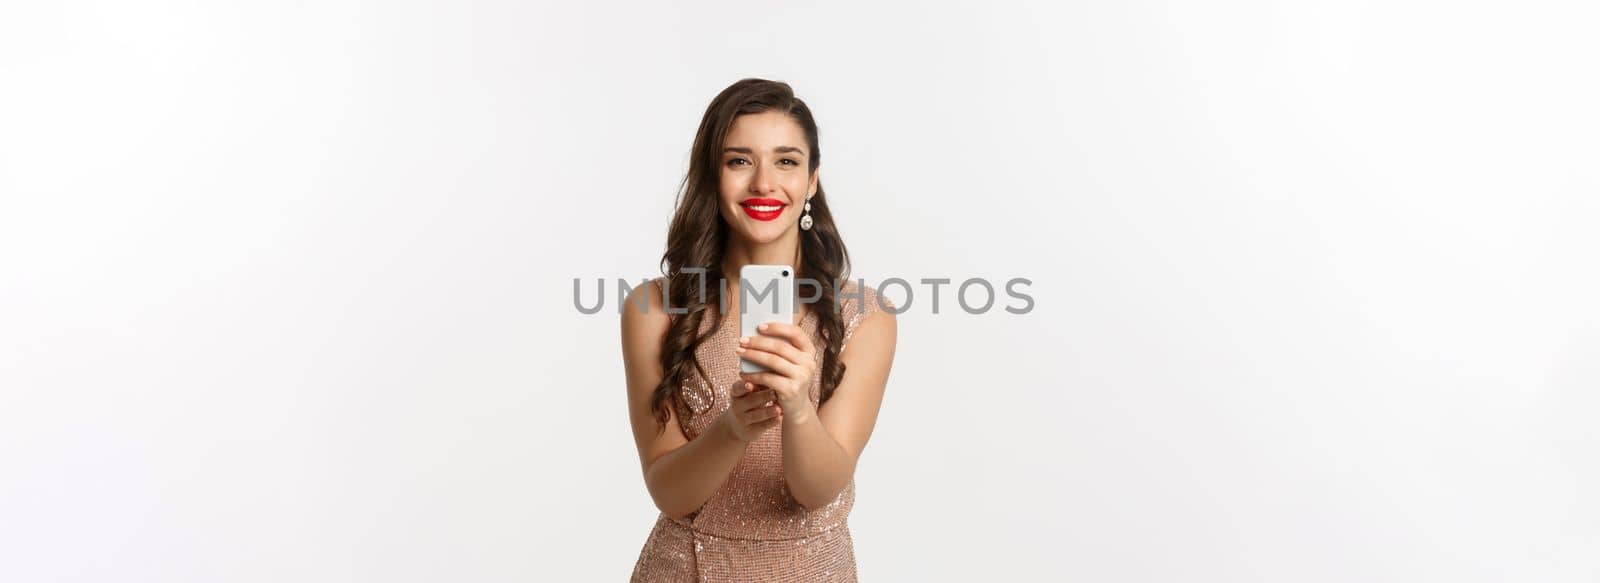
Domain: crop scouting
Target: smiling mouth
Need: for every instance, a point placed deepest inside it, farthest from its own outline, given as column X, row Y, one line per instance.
column 763, row 209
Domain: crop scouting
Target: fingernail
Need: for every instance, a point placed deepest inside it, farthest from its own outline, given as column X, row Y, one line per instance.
column 738, row 351
column 762, row 327
column 749, row 386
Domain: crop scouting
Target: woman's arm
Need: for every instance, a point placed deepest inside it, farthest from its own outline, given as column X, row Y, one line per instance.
column 821, row 447
column 680, row 474
column 681, row 480
column 820, row 451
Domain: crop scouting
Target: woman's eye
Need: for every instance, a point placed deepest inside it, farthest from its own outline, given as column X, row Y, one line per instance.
column 789, row 161
column 736, row 161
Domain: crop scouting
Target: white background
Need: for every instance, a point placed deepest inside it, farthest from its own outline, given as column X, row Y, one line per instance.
column 286, row 292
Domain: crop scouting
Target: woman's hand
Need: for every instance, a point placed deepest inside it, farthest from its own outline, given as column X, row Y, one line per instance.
column 752, row 412
column 790, row 358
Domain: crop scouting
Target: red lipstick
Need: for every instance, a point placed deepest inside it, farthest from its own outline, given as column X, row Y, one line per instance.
column 771, row 208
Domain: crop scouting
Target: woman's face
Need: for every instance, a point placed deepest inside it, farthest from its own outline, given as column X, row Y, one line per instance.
column 764, row 181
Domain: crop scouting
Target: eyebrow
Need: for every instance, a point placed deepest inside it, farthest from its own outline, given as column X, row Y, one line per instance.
column 779, row 149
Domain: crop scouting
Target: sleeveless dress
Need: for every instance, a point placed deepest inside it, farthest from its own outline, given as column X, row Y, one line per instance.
column 752, row 529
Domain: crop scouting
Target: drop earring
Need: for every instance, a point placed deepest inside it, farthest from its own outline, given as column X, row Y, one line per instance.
column 805, row 219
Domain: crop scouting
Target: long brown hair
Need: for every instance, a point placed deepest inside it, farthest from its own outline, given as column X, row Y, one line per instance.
column 699, row 235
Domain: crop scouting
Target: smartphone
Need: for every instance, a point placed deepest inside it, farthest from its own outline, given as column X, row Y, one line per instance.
column 766, row 294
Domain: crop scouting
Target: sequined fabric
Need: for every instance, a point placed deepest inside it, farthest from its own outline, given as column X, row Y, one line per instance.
column 752, row 529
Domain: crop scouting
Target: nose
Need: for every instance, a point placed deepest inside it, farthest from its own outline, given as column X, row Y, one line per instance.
column 762, row 183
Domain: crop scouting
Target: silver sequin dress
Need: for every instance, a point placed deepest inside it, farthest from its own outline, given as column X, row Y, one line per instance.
column 752, row 529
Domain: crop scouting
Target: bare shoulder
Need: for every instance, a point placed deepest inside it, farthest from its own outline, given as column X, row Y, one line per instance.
column 644, row 326
column 644, row 317
column 867, row 311
column 871, row 333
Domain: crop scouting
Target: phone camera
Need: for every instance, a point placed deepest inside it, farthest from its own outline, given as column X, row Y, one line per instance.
column 786, row 273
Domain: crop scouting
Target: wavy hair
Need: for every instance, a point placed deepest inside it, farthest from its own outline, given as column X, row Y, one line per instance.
column 698, row 236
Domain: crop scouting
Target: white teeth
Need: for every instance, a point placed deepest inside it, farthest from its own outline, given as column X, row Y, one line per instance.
column 765, row 209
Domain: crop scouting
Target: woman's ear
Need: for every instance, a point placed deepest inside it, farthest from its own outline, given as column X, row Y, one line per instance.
column 811, row 190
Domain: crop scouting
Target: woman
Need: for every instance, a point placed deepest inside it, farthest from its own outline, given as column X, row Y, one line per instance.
column 753, row 473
